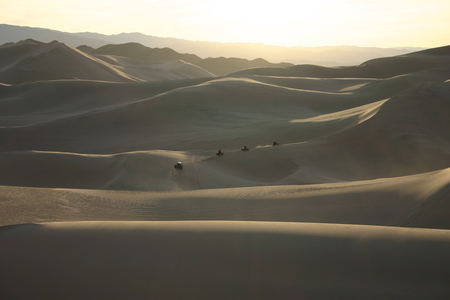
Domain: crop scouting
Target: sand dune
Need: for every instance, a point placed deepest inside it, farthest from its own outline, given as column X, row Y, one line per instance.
column 241, row 111
column 216, row 65
column 30, row 60
column 364, row 151
column 377, row 68
column 223, row 260
column 326, row 131
column 416, row 200
column 37, row 102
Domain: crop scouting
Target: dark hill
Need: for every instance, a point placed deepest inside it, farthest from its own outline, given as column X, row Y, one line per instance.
column 218, row 66
column 30, row 60
column 223, row 65
column 385, row 67
column 140, row 52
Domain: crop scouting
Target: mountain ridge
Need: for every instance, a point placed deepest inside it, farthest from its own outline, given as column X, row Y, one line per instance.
column 328, row 55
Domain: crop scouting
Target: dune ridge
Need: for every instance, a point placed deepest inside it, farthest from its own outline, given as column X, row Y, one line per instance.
column 30, row 60
column 397, row 201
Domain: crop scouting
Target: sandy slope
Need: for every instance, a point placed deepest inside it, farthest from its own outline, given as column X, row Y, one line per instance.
column 325, row 136
column 417, row 200
column 371, row 149
column 216, row 65
column 37, row 102
column 222, row 260
column 29, row 60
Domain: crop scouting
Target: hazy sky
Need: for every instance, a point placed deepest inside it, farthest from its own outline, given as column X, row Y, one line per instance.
column 381, row 23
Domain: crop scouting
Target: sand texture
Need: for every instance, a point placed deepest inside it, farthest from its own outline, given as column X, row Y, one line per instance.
column 354, row 202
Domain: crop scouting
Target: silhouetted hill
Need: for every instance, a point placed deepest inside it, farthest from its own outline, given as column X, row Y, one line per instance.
column 87, row 49
column 31, row 60
column 408, row 63
column 140, row 52
column 218, row 66
column 224, row 66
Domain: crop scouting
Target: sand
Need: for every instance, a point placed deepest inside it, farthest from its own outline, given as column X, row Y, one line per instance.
column 223, row 260
column 353, row 203
column 32, row 60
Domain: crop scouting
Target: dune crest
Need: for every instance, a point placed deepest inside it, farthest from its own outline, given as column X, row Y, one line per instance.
column 55, row 60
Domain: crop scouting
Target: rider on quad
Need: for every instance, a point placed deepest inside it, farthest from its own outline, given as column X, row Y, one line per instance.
column 245, row 148
column 179, row 165
column 219, row 153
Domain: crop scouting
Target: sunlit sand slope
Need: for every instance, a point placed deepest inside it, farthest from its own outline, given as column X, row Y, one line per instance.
column 417, row 200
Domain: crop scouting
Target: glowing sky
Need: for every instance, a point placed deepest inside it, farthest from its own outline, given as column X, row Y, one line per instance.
column 381, row 23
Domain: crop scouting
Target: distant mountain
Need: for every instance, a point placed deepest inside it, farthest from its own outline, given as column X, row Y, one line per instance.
column 10, row 33
column 326, row 56
column 218, row 66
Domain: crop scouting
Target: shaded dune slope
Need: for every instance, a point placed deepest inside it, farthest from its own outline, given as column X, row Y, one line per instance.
column 408, row 135
column 35, row 61
column 224, row 260
column 142, row 53
column 217, row 65
column 39, row 102
column 166, row 70
column 222, row 113
column 59, row 61
column 326, row 137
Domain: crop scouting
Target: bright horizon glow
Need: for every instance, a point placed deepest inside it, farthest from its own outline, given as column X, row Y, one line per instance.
column 366, row 23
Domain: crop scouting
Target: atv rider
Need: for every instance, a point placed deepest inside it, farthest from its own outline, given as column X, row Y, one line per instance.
column 245, row 148
column 179, row 165
column 219, row 153
column 275, row 143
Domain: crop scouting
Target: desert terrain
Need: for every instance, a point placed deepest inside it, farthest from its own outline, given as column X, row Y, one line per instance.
column 353, row 201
